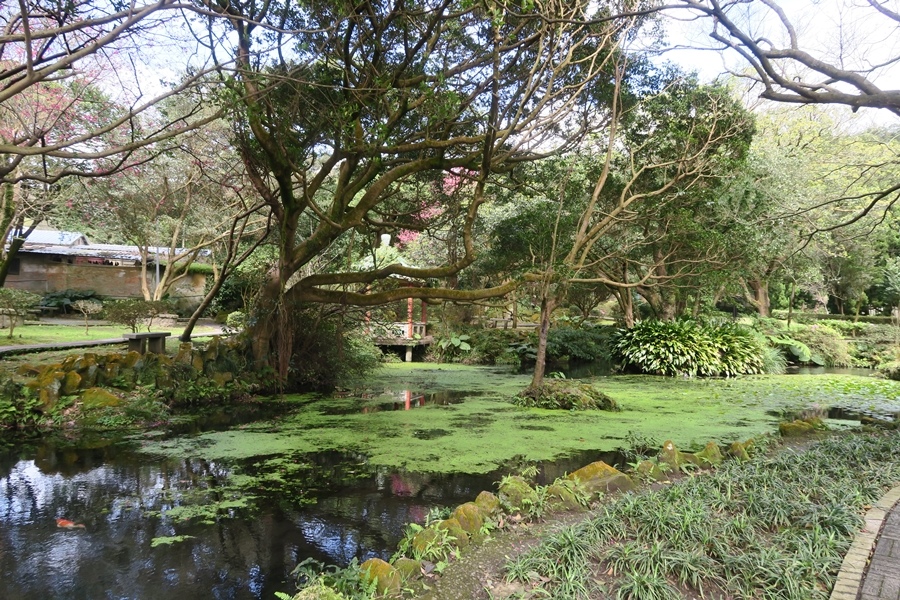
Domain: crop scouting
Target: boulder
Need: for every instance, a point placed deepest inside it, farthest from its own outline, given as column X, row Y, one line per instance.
column 318, row 591
column 28, row 371
column 469, row 517
column 513, row 492
column 560, row 497
column 185, row 353
column 98, row 398
column 70, row 383
column 796, row 428
column 649, row 470
column 223, row 378
column 488, row 503
column 424, row 540
column 47, row 387
column 409, row 568
column 387, row 579
column 675, row 458
column 600, row 477
column 739, row 451
column 711, row 455
column 455, row 529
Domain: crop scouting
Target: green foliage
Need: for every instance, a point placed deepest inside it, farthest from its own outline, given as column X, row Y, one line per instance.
column 561, row 394
column 329, row 352
column 451, row 347
column 826, row 345
column 19, row 407
column 743, row 528
column 65, row 299
column 134, row 312
column 15, row 303
column 494, row 346
column 688, row 349
column 236, row 321
column 312, row 574
column 584, row 344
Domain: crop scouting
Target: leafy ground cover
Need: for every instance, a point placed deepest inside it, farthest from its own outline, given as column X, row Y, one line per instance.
column 480, row 430
column 774, row 528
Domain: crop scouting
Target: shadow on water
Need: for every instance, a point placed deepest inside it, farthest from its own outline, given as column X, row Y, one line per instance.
column 330, row 506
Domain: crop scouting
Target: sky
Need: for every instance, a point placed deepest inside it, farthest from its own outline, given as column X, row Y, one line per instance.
column 843, row 32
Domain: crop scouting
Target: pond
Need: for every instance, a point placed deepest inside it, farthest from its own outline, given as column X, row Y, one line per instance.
column 226, row 509
column 178, row 528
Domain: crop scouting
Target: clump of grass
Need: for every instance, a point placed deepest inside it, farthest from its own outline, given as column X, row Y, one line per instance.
column 780, row 524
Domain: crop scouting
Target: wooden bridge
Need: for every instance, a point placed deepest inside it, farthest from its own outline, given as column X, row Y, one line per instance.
column 403, row 334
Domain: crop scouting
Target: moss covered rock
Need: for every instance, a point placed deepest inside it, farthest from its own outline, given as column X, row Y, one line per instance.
column 514, row 491
column 601, row 477
column 318, row 591
column 387, row 579
column 560, row 497
column 424, row 541
column 647, row 469
column 455, row 529
column 408, row 568
column 98, row 398
column 469, row 516
column 488, row 503
column 711, row 455
column 70, row 383
column 739, row 451
column 675, row 458
column 796, row 428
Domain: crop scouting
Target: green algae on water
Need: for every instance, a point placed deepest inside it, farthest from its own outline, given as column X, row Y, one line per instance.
column 484, row 430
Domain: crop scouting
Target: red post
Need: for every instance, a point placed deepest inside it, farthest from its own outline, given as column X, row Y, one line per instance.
column 409, row 313
column 408, row 398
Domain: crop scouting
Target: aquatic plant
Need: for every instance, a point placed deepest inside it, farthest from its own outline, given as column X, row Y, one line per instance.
column 563, row 394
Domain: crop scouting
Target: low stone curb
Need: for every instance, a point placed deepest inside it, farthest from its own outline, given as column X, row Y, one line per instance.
column 850, row 577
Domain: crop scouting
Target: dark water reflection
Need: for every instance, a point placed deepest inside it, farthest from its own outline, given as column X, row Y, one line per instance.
column 358, row 512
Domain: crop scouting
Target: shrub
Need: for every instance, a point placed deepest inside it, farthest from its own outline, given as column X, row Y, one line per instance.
column 826, row 346
column 133, row 312
column 741, row 350
column 587, row 344
column 667, row 348
column 87, row 308
column 15, row 303
column 326, row 351
column 66, row 299
column 688, row 349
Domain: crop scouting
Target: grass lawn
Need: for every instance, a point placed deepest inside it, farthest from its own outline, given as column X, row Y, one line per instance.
column 49, row 334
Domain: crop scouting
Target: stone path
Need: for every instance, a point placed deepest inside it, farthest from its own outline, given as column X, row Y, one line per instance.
column 881, row 579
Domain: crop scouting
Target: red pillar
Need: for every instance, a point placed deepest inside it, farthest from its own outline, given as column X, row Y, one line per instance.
column 409, row 314
column 408, row 399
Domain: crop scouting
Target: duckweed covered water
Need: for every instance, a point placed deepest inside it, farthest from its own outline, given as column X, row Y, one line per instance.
column 219, row 511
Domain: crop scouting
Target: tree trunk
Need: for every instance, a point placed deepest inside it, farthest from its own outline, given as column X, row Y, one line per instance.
column 11, row 254
column 540, row 365
column 760, row 297
column 791, row 304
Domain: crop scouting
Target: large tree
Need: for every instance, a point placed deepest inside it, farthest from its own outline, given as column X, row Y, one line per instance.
column 601, row 218
column 61, row 61
column 338, row 104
